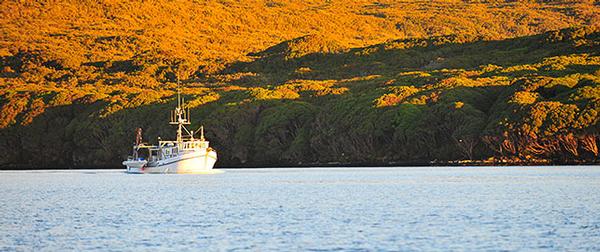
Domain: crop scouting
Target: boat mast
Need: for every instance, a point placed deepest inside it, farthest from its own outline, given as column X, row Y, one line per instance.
column 180, row 117
column 179, row 112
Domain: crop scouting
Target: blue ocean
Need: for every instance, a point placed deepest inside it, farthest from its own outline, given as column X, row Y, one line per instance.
column 308, row 209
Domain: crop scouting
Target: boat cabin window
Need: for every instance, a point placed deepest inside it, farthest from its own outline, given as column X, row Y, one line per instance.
column 141, row 154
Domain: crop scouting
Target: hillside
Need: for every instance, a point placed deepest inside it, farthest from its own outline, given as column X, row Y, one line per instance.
column 279, row 83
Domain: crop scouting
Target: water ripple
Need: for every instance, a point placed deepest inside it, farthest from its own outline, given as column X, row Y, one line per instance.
column 355, row 209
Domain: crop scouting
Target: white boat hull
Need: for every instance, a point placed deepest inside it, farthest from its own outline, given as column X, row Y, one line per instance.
column 194, row 162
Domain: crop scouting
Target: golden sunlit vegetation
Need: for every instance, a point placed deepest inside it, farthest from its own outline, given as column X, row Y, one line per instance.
column 302, row 82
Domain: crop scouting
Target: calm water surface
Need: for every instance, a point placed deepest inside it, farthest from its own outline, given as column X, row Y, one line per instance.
column 403, row 209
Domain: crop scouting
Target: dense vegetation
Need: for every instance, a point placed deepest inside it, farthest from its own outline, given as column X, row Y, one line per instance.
column 286, row 83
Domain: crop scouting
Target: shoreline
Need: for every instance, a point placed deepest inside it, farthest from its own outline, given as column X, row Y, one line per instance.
column 434, row 163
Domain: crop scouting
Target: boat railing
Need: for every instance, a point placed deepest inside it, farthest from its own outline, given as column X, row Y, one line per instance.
column 133, row 158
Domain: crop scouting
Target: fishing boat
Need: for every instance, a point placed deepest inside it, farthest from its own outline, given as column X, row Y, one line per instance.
column 184, row 155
